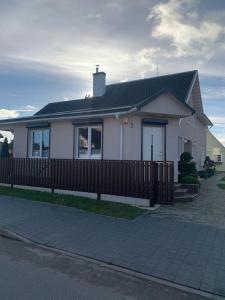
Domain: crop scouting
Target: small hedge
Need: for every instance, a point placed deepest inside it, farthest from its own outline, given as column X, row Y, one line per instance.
column 189, row 180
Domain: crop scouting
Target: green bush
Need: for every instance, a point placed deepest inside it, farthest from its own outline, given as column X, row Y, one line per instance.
column 186, row 166
column 189, row 180
column 186, row 157
column 209, row 167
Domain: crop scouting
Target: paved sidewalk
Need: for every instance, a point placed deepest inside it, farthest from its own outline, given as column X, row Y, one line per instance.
column 208, row 209
column 184, row 244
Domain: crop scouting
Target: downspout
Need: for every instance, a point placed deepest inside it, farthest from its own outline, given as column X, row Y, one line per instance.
column 121, row 134
column 121, row 141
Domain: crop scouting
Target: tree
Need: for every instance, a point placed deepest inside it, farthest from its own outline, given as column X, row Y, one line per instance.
column 5, row 149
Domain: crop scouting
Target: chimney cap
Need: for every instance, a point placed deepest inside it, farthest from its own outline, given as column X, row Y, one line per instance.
column 97, row 71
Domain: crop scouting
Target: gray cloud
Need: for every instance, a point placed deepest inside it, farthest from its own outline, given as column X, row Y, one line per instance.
column 71, row 36
column 65, row 39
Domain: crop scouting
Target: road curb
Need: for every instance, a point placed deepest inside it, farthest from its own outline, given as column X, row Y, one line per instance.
column 5, row 233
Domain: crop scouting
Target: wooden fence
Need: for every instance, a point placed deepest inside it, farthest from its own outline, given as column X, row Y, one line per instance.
column 141, row 179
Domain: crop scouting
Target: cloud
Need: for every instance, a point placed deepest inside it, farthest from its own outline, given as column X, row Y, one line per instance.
column 148, row 55
column 7, row 113
column 217, row 93
column 94, row 16
column 115, row 6
column 14, row 113
column 188, row 34
column 6, row 134
column 218, row 120
column 222, row 140
column 27, row 108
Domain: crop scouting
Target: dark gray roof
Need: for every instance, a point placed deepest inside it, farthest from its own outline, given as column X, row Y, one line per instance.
column 127, row 94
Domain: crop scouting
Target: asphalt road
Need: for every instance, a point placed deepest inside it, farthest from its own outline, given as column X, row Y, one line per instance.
column 30, row 272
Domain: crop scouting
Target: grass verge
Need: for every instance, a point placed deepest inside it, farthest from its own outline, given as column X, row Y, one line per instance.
column 223, row 179
column 107, row 208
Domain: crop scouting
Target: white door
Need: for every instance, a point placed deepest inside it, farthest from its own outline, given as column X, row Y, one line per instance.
column 153, row 143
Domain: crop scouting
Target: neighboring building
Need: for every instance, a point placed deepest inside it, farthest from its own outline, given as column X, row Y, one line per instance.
column 216, row 151
column 151, row 119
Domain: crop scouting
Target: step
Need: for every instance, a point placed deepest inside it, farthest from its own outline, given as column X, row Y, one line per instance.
column 177, row 185
column 180, row 192
column 185, row 198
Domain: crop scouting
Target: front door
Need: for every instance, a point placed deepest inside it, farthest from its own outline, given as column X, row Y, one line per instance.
column 153, row 143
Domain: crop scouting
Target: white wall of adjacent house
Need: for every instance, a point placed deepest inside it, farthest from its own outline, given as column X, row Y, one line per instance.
column 216, row 151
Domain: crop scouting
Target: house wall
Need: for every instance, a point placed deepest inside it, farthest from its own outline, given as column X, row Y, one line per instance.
column 111, row 138
column 214, row 147
column 132, row 139
column 61, row 139
column 167, row 105
column 20, row 141
column 62, row 143
column 192, row 129
column 172, row 130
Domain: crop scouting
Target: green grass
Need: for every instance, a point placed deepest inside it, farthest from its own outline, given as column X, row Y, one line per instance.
column 223, row 179
column 97, row 206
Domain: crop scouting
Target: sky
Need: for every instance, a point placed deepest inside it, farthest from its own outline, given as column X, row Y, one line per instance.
column 49, row 49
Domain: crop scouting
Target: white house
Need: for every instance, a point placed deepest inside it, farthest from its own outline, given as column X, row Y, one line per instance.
column 150, row 119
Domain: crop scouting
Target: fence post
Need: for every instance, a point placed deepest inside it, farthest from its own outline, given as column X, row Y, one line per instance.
column 11, row 160
column 152, row 184
column 172, row 182
column 99, row 179
column 51, row 164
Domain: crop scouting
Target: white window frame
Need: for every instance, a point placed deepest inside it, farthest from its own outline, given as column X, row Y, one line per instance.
column 220, row 158
column 89, row 156
column 31, row 142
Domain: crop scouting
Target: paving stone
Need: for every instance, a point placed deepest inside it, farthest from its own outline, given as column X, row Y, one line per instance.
column 184, row 243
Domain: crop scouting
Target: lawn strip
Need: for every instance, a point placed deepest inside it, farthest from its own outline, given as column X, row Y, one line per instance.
column 113, row 209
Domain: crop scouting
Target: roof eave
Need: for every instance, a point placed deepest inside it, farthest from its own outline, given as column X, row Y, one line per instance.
column 36, row 119
column 205, row 120
column 191, row 86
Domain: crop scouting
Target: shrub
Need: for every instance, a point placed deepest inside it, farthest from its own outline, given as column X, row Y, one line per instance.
column 186, row 166
column 186, row 157
column 189, row 180
column 209, row 167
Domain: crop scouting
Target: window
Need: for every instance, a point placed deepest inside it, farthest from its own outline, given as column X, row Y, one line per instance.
column 218, row 158
column 89, row 142
column 39, row 143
